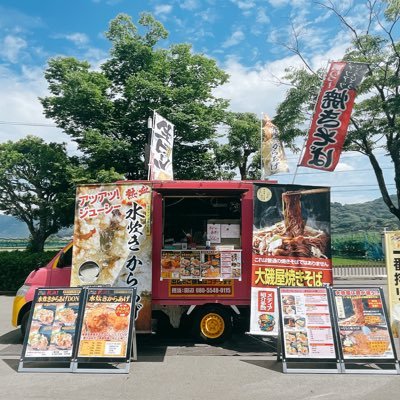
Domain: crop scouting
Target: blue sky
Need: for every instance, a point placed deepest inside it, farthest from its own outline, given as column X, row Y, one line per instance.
column 246, row 37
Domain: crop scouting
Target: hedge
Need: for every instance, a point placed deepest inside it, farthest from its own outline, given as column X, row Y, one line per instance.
column 16, row 265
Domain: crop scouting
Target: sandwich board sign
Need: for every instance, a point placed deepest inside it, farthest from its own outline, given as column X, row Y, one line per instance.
column 307, row 336
column 106, row 331
column 50, row 338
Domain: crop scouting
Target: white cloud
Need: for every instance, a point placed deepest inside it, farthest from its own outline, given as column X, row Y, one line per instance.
column 236, row 37
column 162, row 9
column 11, row 48
column 244, row 5
column 189, row 5
column 209, row 15
column 293, row 3
column 19, row 103
column 254, row 89
column 77, row 38
column 262, row 17
column 342, row 166
column 80, row 39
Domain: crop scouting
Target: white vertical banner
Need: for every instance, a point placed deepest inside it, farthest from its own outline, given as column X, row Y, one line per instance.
column 162, row 141
column 273, row 158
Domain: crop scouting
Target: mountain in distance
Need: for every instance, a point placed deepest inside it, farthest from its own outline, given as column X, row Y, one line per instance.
column 13, row 228
column 371, row 216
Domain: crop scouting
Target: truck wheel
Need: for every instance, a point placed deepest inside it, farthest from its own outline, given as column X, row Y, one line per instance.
column 24, row 323
column 212, row 324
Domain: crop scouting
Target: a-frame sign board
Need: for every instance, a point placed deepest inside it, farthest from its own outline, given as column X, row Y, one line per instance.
column 307, row 340
column 106, row 333
column 50, row 337
column 80, row 330
column 365, row 338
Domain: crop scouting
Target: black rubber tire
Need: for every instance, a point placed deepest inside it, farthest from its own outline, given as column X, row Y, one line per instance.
column 220, row 313
column 24, row 323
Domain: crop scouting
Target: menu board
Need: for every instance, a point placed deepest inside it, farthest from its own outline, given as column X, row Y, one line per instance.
column 362, row 323
column 52, row 327
column 170, row 264
column 231, row 264
column 211, row 264
column 107, row 322
column 201, row 264
column 190, row 265
column 306, row 323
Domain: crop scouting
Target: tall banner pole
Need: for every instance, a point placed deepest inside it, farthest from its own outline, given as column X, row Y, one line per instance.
column 261, row 146
column 151, row 147
column 309, row 126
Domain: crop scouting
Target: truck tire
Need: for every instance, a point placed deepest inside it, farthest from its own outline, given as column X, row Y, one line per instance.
column 212, row 324
column 24, row 323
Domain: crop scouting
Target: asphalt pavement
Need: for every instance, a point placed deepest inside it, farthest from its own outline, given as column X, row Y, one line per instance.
column 177, row 368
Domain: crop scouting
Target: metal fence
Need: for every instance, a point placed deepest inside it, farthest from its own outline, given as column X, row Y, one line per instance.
column 21, row 244
column 348, row 272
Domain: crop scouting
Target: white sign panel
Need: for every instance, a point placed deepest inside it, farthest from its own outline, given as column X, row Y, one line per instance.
column 264, row 313
column 162, row 142
column 214, row 233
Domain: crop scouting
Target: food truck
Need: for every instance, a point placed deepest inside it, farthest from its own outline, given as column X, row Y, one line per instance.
column 187, row 246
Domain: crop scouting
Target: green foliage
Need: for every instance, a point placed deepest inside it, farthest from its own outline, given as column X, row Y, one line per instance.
column 243, row 142
column 369, row 216
column 106, row 111
column 15, row 266
column 349, row 246
column 36, row 186
column 297, row 107
column 365, row 245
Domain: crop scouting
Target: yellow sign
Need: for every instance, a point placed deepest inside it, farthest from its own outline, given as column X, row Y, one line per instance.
column 392, row 253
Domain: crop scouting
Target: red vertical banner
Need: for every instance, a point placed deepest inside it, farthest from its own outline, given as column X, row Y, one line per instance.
column 332, row 115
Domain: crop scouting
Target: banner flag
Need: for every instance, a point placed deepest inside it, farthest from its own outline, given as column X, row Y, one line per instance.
column 273, row 157
column 162, row 141
column 332, row 115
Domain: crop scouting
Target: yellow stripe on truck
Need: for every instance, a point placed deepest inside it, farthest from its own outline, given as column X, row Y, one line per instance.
column 19, row 302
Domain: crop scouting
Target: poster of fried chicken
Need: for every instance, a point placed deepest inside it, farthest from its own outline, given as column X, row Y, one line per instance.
column 363, row 325
column 112, row 241
column 52, row 328
column 107, row 323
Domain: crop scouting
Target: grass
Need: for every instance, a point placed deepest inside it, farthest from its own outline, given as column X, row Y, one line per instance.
column 355, row 261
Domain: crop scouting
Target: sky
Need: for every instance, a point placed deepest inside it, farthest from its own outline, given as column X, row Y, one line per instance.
column 249, row 39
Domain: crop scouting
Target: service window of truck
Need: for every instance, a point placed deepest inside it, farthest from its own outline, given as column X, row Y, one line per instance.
column 202, row 254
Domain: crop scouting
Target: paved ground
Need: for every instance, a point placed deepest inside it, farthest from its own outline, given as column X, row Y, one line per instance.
column 177, row 368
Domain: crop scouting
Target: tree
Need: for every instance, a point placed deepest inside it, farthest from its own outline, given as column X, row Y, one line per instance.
column 106, row 111
column 375, row 122
column 243, row 142
column 36, row 186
